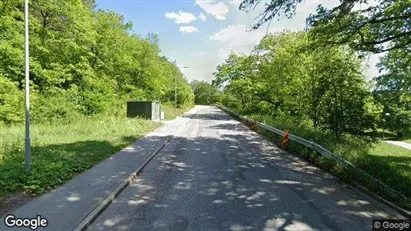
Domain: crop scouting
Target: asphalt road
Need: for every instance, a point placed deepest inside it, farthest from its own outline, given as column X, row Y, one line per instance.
column 216, row 174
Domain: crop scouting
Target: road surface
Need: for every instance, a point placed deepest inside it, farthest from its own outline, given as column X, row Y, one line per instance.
column 216, row 174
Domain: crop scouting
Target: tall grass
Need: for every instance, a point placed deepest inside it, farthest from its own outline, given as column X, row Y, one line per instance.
column 62, row 150
column 170, row 112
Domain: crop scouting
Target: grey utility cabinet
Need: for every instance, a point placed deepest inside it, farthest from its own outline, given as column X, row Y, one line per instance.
column 145, row 109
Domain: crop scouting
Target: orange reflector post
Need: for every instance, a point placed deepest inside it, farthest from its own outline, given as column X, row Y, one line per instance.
column 285, row 139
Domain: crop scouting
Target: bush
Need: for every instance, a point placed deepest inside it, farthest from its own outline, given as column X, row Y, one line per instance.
column 60, row 151
column 59, row 106
column 11, row 102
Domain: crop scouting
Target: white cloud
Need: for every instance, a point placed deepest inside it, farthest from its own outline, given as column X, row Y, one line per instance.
column 181, row 17
column 218, row 10
column 235, row 38
column 223, row 53
column 239, row 35
column 201, row 54
column 369, row 66
column 203, row 17
column 235, row 3
column 188, row 29
column 239, row 39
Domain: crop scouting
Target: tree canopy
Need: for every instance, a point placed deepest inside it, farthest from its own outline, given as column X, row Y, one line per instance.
column 324, row 88
column 205, row 93
column 378, row 26
column 83, row 61
column 375, row 26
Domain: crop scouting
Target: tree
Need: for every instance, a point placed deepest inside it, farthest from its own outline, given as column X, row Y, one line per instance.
column 393, row 90
column 235, row 67
column 205, row 93
column 83, row 62
column 323, row 87
column 379, row 27
column 11, row 102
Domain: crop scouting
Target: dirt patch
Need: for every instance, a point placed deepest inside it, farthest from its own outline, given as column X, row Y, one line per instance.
column 14, row 201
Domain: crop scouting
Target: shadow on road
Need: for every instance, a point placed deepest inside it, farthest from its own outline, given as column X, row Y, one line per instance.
column 228, row 178
column 52, row 165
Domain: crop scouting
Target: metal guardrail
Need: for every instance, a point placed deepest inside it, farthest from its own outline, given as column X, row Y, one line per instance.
column 320, row 150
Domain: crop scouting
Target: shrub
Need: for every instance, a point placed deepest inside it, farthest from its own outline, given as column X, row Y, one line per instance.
column 11, row 102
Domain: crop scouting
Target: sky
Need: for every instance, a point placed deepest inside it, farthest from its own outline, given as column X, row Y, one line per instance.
column 200, row 34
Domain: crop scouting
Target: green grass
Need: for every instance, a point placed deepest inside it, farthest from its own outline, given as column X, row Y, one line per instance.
column 407, row 137
column 388, row 163
column 61, row 151
column 171, row 113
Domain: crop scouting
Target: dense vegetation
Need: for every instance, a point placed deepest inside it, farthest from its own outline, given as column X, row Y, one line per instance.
column 61, row 151
column 381, row 26
column 320, row 88
column 83, row 62
column 205, row 93
column 322, row 95
column 312, row 83
column 369, row 26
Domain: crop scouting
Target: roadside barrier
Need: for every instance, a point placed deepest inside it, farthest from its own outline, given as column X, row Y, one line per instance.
column 387, row 190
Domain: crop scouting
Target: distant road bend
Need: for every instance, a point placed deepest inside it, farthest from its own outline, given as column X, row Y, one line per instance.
column 216, row 174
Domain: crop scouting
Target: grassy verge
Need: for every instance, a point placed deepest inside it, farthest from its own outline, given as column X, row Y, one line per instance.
column 61, row 151
column 387, row 163
column 392, row 165
column 171, row 113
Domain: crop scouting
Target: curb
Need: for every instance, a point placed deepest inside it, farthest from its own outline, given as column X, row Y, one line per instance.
column 91, row 217
column 353, row 186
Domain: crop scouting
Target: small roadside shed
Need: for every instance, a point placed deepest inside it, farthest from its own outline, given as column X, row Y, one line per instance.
column 146, row 109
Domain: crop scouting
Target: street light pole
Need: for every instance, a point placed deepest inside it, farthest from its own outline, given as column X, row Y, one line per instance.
column 175, row 89
column 175, row 92
column 27, row 98
column 385, row 124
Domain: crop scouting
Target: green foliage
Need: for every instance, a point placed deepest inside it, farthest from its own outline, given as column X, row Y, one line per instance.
column 379, row 26
column 375, row 26
column 82, row 62
column 170, row 112
column 11, row 102
column 205, row 93
column 388, row 163
column 396, row 113
column 59, row 106
column 60, row 151
column 393, row 91
column 85, row 64
column 321, row 95
column 324, row 87
column 185, row 96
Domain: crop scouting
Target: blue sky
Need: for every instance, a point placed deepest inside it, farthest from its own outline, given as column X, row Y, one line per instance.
column 200, row 34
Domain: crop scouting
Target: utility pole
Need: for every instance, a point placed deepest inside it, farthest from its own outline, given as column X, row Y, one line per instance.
column 175, row 92
column 175, row 89
column 27, row 98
